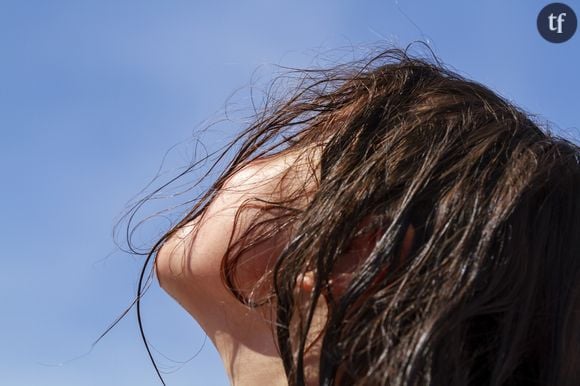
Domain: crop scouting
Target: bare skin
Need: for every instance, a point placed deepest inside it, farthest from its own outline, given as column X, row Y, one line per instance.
column 188, row 265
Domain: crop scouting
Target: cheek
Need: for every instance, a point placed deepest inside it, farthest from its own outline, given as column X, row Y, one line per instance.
column 253, row 266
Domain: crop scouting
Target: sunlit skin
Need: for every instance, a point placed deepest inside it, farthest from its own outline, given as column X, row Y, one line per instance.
column 188, row 265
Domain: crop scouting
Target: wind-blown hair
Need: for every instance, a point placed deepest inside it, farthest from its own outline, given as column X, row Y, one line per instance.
column 490, row 291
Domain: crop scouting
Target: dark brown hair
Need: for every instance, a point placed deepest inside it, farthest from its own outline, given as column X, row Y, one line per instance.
column 490, row 292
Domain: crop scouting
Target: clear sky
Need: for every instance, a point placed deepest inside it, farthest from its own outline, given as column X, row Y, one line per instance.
column 94, row 93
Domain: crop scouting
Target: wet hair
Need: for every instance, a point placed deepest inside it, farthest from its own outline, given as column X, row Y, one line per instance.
column 490, row 291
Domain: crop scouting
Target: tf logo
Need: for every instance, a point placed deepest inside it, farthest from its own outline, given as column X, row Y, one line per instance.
column 557, row 22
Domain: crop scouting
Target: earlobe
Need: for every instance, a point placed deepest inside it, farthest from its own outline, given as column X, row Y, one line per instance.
column 305, row 281
column 340, row 280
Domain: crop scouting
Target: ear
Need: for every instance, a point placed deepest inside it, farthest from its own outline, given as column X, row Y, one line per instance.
column 341, row 280
column 360, row 248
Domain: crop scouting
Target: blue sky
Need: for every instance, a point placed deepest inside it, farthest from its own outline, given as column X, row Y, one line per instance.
column 94, row 93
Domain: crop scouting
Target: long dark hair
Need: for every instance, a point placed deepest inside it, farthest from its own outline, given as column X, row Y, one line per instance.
column 490, row 291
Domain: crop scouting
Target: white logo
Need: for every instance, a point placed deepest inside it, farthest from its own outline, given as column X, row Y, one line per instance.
column 559, row 19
